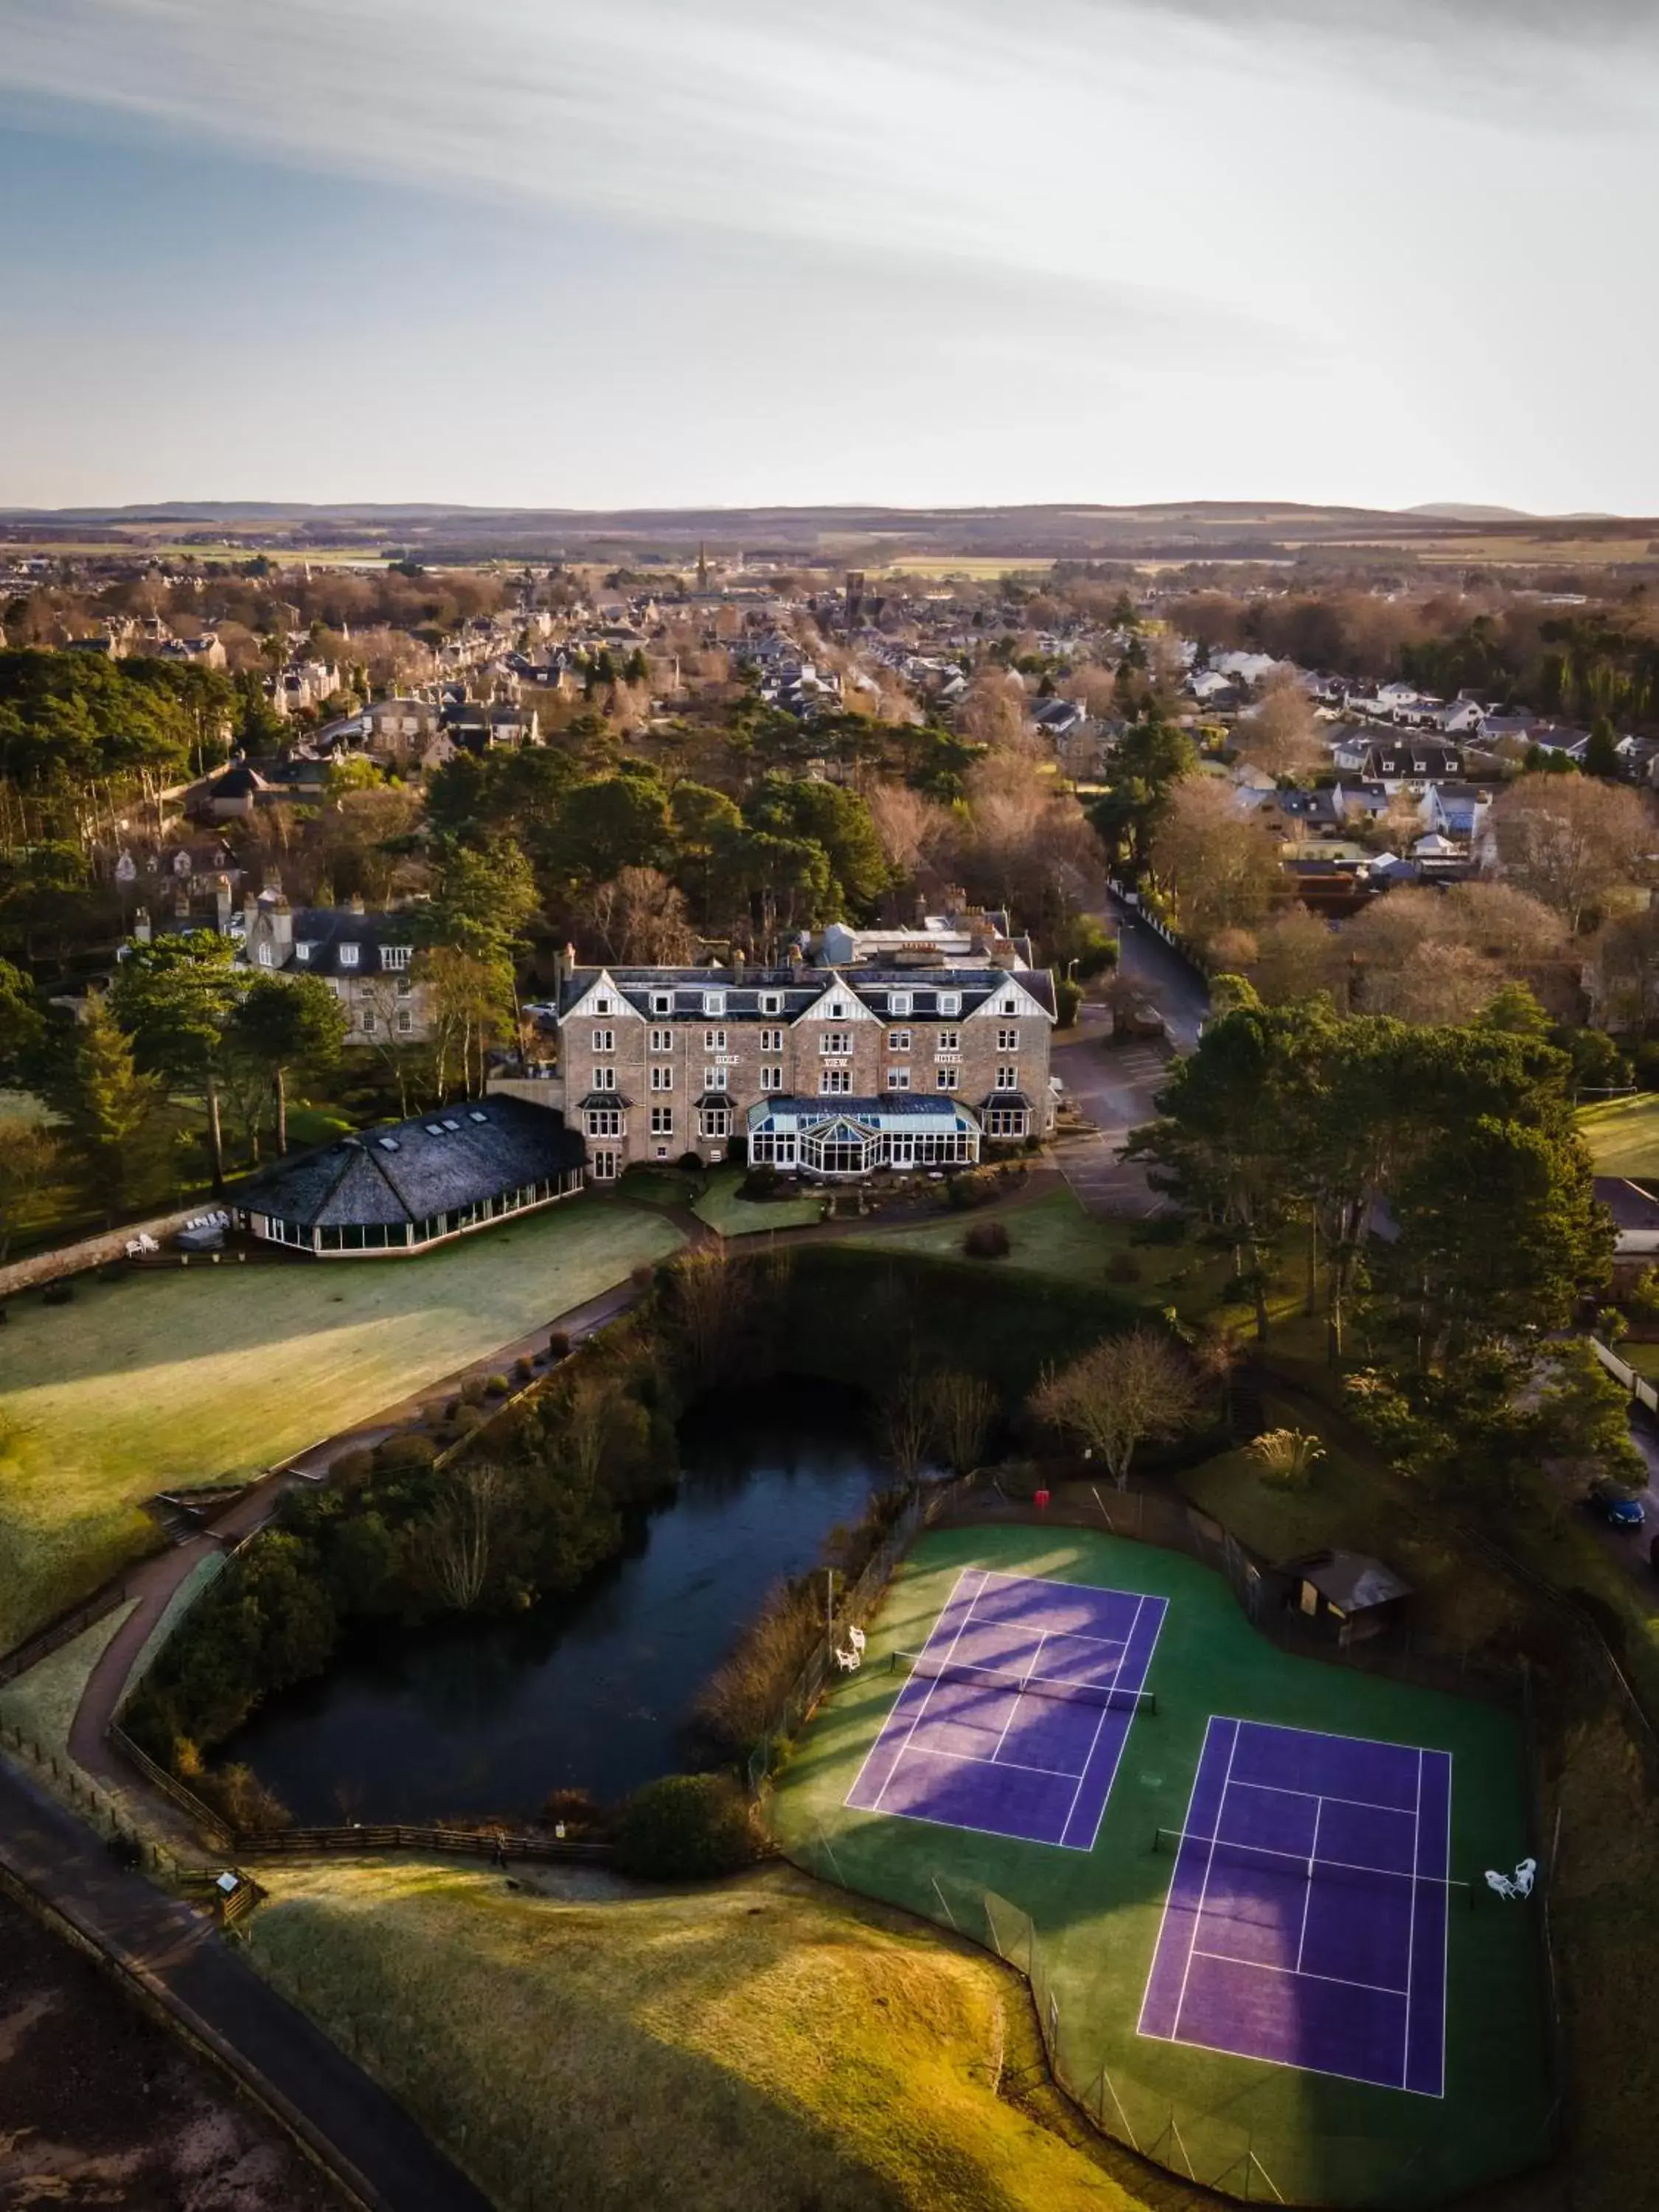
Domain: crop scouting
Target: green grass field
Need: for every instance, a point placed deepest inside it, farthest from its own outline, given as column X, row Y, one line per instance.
column 1096, row 1914
column 1054, row 1236
column 1622, row 1134
column 183, row 1376
column 722, row 1209
column 760, row 2046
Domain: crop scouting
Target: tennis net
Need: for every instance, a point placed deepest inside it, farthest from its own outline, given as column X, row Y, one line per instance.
column 1105, row 1695
column 1303, row 1866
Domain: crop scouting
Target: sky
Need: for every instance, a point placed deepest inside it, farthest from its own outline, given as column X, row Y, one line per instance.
column 661, row 252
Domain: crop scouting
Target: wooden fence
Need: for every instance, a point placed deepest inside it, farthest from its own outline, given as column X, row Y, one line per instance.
column 498, row 1844
column 65, row 1629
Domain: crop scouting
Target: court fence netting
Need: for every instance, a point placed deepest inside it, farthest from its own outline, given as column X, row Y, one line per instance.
column 1211, row 2146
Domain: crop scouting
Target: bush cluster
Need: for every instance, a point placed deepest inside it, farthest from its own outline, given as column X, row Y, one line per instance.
column 687, row 1827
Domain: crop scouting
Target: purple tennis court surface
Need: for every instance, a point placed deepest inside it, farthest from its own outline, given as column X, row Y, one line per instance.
column 968, row 1751
column 1306, row 1917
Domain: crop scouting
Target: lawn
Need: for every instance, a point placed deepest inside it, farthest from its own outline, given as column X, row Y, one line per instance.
column 1054, row 1236
column 763, row 2043
column 1097, row 1913
column 722, row 1209
column 1622, row 1134
column 186, row 1376
column 44, row 1702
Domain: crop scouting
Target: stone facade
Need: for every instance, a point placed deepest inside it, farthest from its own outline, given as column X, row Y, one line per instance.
column 660, row 1062
column 364, row 957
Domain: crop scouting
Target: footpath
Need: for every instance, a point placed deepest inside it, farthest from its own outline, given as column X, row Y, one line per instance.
column 173, row 1952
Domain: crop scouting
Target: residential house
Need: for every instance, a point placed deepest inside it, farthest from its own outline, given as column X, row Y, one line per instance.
column 365, row 956
column 830, row 1072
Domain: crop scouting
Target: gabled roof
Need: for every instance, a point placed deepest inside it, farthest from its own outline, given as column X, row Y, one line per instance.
column 793, row 993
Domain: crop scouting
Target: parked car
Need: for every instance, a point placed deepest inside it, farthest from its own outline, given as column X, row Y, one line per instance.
column 1616, row 1507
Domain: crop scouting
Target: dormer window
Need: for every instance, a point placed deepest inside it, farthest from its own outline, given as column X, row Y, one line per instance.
column 771, row 1002
column 394, row 955
column 950, row 1002
column 267, row 958
column 662, row 1002
column 1011, row 1005
column 713, row 1002
column 602, row 1004
column 302, row 953
column 838, row 1011
column 348, row 956
column 898, row 1002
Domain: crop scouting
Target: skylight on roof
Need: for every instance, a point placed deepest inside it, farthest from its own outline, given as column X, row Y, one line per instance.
column 475, row 1117
column 450, row 1124
column 388, row 1144
column 433, row 1130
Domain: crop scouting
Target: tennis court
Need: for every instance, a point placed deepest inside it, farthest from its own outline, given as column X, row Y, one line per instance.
column 1016, row 1711
column 1305, row 1922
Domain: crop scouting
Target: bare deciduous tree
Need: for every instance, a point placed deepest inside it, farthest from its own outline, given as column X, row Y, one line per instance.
column 1220, row 866
column 1124, row 1392
column 1572, row 842
column 640, row 917
column 907, row 1424
column 1280, row 734
column 459, row 1533
column 713, row 1294
column 962, row 1407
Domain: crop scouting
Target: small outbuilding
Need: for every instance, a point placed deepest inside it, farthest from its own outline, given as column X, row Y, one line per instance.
column 1354, row 1593
column 407, row 1185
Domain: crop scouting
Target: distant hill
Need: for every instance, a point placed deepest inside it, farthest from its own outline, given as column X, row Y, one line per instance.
column 1452, row 510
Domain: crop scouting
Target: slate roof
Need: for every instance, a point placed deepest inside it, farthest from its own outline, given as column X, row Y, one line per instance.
column 941, row 1106
column 480, row 1150
column 1351, row 1579
column 799, row 988
column 324, row 929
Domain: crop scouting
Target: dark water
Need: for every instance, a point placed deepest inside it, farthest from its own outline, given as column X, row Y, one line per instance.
column 588, row 1691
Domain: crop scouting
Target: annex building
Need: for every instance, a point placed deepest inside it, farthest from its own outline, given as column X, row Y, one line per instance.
column 826, row 1073
column 408, row 1185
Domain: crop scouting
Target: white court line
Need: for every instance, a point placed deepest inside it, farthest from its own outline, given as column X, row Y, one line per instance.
column 1209, row 1868
column 1158, row 1947
column 1411, row 1930
column 1313, row 1865
column 916, row 1717
column 1290, row 2065
column 1002, row 1766
column 1093, row 1742
column 1014, row 1706
column 881, row 1733
column 1445, row 1937
column 1302, row 1973
column 1327, row 1797
column 1331, row 1735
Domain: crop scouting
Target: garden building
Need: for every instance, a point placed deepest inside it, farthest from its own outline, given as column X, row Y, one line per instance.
column 407, row 1185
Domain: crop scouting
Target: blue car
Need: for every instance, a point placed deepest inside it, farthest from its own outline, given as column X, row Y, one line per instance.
column 1617, row 1508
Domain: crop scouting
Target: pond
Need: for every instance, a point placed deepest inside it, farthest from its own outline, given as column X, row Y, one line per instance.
column 592, row 1691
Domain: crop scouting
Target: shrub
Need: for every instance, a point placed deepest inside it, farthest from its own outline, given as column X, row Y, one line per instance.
column 687, row 1827
column 1287, row 1457
column 473, row 1390
column 987, row 1240
column 408, row 1453
column 524, row 1370
column 466, row 1419
column 690, row 1163
column 57, row 1294
column 352, row 1469
column 1068, row 997
column 761, row 1183
column 497, row 1387
column 558, row 1345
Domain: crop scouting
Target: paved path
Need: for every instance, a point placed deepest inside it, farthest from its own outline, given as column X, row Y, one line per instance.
column 173, row 1950
column 1115, row 1084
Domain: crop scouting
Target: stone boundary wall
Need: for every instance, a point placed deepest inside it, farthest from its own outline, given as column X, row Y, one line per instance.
column 94, row 1251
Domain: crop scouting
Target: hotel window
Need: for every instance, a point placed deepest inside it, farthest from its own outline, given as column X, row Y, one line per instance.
column 713, row 1002
column 717, row 1120
column 1010, row 1005
column 838, row 1011
column 950, row 1041
column 898, row 1079
column 835, row 1043
column 714, row 1040
column 404, row 989
column 604, row 1040
column 604, row 1121
column 945, row 1079
column 662, row 1002
column 662, row 1040
column 394, row 955
column 1008, row 1078
column 1005, row 1121
column 714, row 1078
column 605, row 1078
column 898, row 1002
column 405, row 1021
column 602, row 1005
column 302, row 954
column 950, row 1002
column 662, row 1120
column 662, row 1078
column 771, row 1040
column 771, row 1078
column 368, row 1023
column 898, row 1040
column 348, row 956
column 835, row 1078
column 771, row 1002
column 1007, row 1040
column 266, row 959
